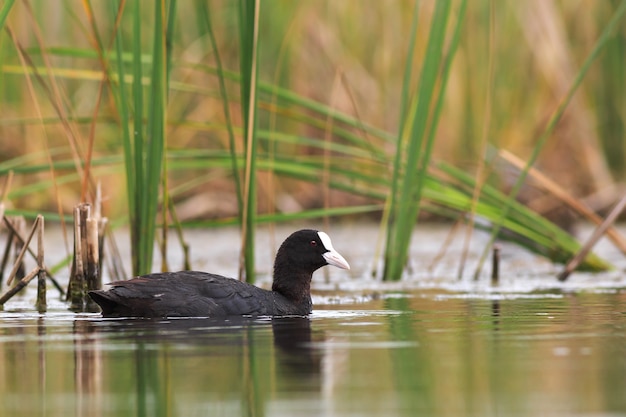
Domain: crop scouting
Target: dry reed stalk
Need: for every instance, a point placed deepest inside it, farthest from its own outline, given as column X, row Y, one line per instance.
column 86, row 269
column 20, row 224
column 39, row 271
column 445, row 246
column 92, row 273
column 545, row 31
column 17, row 287
column 100, row 227
column 593, row 239
column 17, row 236
column 116, row 268
column 558, row 192
column 495, row 265
column 75, row 288
column 42, row 304
column 5, row 191
column 7, row 248
column 18, row 265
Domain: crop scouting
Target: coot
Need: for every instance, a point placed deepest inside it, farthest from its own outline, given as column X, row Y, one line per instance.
column 201, row 294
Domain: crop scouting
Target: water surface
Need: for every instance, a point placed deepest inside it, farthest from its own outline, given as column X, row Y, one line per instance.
column 431, row 345
column 415, row 354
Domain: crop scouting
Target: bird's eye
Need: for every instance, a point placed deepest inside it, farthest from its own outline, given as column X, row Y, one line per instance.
column 313, row 243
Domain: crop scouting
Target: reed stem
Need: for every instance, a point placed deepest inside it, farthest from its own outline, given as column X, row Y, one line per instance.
column 249, row 33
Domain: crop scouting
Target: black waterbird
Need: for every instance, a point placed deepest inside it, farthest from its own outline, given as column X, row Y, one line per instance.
column 202, row 294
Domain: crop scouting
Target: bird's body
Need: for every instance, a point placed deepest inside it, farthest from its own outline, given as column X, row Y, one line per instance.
column 196, row 294
column 202, row 294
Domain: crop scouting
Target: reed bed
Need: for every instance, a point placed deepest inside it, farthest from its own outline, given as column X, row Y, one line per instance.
column 173, row 100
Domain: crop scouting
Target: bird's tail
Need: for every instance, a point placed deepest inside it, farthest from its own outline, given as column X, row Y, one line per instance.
column 110, row 307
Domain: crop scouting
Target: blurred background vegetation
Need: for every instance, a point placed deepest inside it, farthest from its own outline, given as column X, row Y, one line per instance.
column 329, row 99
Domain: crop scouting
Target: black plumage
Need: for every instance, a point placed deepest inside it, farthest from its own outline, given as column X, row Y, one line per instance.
column 202, row 294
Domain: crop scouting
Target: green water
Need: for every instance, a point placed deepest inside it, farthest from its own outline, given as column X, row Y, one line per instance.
column 422, row 353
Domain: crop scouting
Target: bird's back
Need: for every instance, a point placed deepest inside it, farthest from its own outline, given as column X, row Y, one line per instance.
column 187, row 294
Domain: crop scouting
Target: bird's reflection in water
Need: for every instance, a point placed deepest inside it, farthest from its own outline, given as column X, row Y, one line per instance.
column 235, row 356
column 292, row 335
column 292, row 338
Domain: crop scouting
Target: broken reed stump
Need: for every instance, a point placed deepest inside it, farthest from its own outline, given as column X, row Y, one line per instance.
column 5, row 256
column 39, row 271
column 42, row 303
column 18, row 236
column 495, row 265
column 20, row 225
column 7, row 249
column 86, row 268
